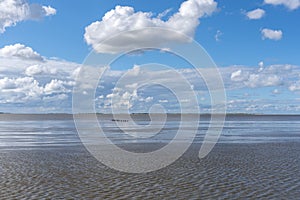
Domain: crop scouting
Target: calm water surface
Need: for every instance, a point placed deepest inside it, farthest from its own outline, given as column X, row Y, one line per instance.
column 33, row 131
column 257, row 157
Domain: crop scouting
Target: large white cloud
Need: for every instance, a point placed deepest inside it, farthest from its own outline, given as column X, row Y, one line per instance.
column 271, row 34
column 14, row 11
column 20, row 51
column 124, row 18
column 291, row 4
column 256, row 14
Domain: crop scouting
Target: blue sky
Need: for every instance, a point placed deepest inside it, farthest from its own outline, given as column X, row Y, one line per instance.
column 240, row 43
column 57, row 32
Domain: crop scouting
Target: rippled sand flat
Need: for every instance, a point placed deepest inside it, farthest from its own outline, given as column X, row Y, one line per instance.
column 230, row 171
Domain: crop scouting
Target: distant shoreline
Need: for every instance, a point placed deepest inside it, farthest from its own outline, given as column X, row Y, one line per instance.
column 138, row 116
column 174, row 114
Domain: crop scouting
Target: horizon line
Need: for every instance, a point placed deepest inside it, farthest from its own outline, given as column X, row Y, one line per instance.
column 145, row 113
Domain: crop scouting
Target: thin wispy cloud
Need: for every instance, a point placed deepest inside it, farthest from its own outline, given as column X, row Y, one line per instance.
column 218, row 36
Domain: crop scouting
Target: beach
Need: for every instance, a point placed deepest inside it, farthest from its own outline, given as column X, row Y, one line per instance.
column 230, row 171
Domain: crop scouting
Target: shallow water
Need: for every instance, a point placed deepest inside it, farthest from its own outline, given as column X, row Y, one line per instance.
column 257, row 157
column 42, row 131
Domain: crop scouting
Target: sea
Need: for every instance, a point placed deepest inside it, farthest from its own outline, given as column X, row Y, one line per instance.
column 30, row 131
column 256, row 156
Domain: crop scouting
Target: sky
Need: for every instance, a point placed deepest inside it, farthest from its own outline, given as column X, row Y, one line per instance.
column 253, row 44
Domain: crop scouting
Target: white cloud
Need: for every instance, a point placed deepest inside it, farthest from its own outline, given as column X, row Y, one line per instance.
column 263, row 80
column 276, row 91
column 263, row 77
column 124, row 18
column 34, row 85
column 123, row 98
column 218, row 35
column 20, row 51
column 19, row 90
column 295, row 86
column 28, row 89
column 163, row 14
column 47, row 87
column 49, row 10
column 34, row 70
column 163, row 101
column 18, row 59
column 291, row 4
column 40, row 70
column 271, row 34
column 14, row 11
column 57, row 86
column 7, row 83
column 239, row 76
column 255, row 14
column 56, row 98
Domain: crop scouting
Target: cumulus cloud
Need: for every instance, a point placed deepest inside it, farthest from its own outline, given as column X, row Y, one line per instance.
column 257, row 78
column 47, row 86
column 271, row 34
column 20, row 51
column 28, row 89
column 255, row 14
column 34, row 85
column 40, row 70
column 290, row 4
column 19, row 90
column 58, row 86
column 124, row 18
column 263, row 80
column 14, row 11
column 238, row 81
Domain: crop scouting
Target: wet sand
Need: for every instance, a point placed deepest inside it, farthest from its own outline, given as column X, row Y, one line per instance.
column 230, row 171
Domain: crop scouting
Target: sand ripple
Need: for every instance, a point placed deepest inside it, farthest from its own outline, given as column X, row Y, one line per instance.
column 231, row 171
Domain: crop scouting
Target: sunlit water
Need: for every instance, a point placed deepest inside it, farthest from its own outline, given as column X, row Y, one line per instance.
column 41, row 156
column 26, row 131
